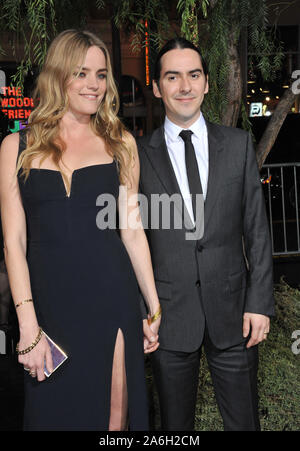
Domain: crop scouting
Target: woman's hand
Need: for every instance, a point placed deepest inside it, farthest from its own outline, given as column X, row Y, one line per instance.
column 34, row 360
column 151, row 335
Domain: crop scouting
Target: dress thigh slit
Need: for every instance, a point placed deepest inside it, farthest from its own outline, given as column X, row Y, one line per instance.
column 119, row 394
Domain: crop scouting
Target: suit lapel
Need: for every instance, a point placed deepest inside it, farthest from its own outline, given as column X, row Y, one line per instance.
column 215, row 147
column 158, row 155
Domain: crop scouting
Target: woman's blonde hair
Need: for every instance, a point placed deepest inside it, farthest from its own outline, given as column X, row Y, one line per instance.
column 65, row 52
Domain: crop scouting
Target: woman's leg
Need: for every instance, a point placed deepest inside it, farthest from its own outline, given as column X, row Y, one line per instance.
column 119, row 398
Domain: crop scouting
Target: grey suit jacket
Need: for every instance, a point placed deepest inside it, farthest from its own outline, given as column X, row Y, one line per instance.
column 209, row 282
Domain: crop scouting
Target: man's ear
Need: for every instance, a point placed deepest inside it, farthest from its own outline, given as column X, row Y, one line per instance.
column 156, row 90
column 207, row 86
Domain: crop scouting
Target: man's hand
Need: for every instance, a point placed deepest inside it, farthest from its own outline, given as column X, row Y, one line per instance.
column 151, row 335
column 260, row 327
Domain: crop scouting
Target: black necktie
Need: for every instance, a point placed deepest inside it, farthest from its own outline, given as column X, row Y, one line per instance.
column 191, row 167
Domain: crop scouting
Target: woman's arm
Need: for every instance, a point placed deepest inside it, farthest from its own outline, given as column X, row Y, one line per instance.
column 14, row 235
column 135, row 241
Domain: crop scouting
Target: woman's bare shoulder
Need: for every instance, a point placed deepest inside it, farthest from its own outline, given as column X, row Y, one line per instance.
column 9, row 148
column 11, row 139
column 128, row 138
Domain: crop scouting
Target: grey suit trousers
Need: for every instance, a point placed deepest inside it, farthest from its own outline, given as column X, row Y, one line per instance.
column 234, row 376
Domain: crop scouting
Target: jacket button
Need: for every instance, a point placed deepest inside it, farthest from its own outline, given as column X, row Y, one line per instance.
column 200, row 247
column 198, row 283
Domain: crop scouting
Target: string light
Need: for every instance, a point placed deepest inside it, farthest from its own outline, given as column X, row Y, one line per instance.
column 147, row 51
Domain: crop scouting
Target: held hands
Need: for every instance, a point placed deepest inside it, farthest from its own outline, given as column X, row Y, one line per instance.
column 259, row 325
column 151, row 335
column 34, row 360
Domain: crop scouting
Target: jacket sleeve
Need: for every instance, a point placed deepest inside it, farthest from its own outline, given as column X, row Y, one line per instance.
column 257, row 242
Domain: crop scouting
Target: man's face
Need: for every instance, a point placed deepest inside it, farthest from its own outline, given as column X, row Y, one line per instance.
column 182, row 86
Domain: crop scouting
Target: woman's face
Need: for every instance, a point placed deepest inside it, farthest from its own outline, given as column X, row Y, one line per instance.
column 87, row 89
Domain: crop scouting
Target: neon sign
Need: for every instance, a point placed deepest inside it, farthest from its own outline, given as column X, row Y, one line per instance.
column 13, row 105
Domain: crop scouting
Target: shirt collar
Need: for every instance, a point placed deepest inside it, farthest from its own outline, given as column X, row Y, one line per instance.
column 172, row 130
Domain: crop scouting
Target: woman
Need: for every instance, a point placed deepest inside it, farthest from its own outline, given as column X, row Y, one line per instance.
column 68, row 277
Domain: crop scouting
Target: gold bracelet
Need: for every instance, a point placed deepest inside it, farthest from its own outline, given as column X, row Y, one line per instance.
column 155, row 316
column 33, row 344
column 23, row 302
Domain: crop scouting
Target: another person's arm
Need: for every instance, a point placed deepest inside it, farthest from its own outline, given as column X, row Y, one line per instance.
column 135, row 241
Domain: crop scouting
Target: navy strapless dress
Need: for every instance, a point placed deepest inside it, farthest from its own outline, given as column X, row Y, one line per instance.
column 84, row 290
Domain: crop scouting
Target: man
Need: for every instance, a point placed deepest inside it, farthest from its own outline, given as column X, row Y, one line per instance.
column 216, row 290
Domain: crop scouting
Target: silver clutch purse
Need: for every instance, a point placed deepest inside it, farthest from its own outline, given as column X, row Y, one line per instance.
column 58, row 356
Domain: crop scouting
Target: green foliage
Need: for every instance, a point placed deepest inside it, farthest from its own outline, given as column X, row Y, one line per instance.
column 213, row 42
column 189, row 19
column 34, row 23
column 264, row 48
column 278, row 382
column 279, row 367
column 246, row 124
column 132, row 16
column 31, row 21
column 190, row 10
column 223, row 24
column 72, row 13
column 226, row 21
column 10, row 13
column 215, row 25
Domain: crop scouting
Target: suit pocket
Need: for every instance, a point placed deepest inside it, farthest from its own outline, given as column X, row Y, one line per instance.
column 237, row 281
column 164, row 289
